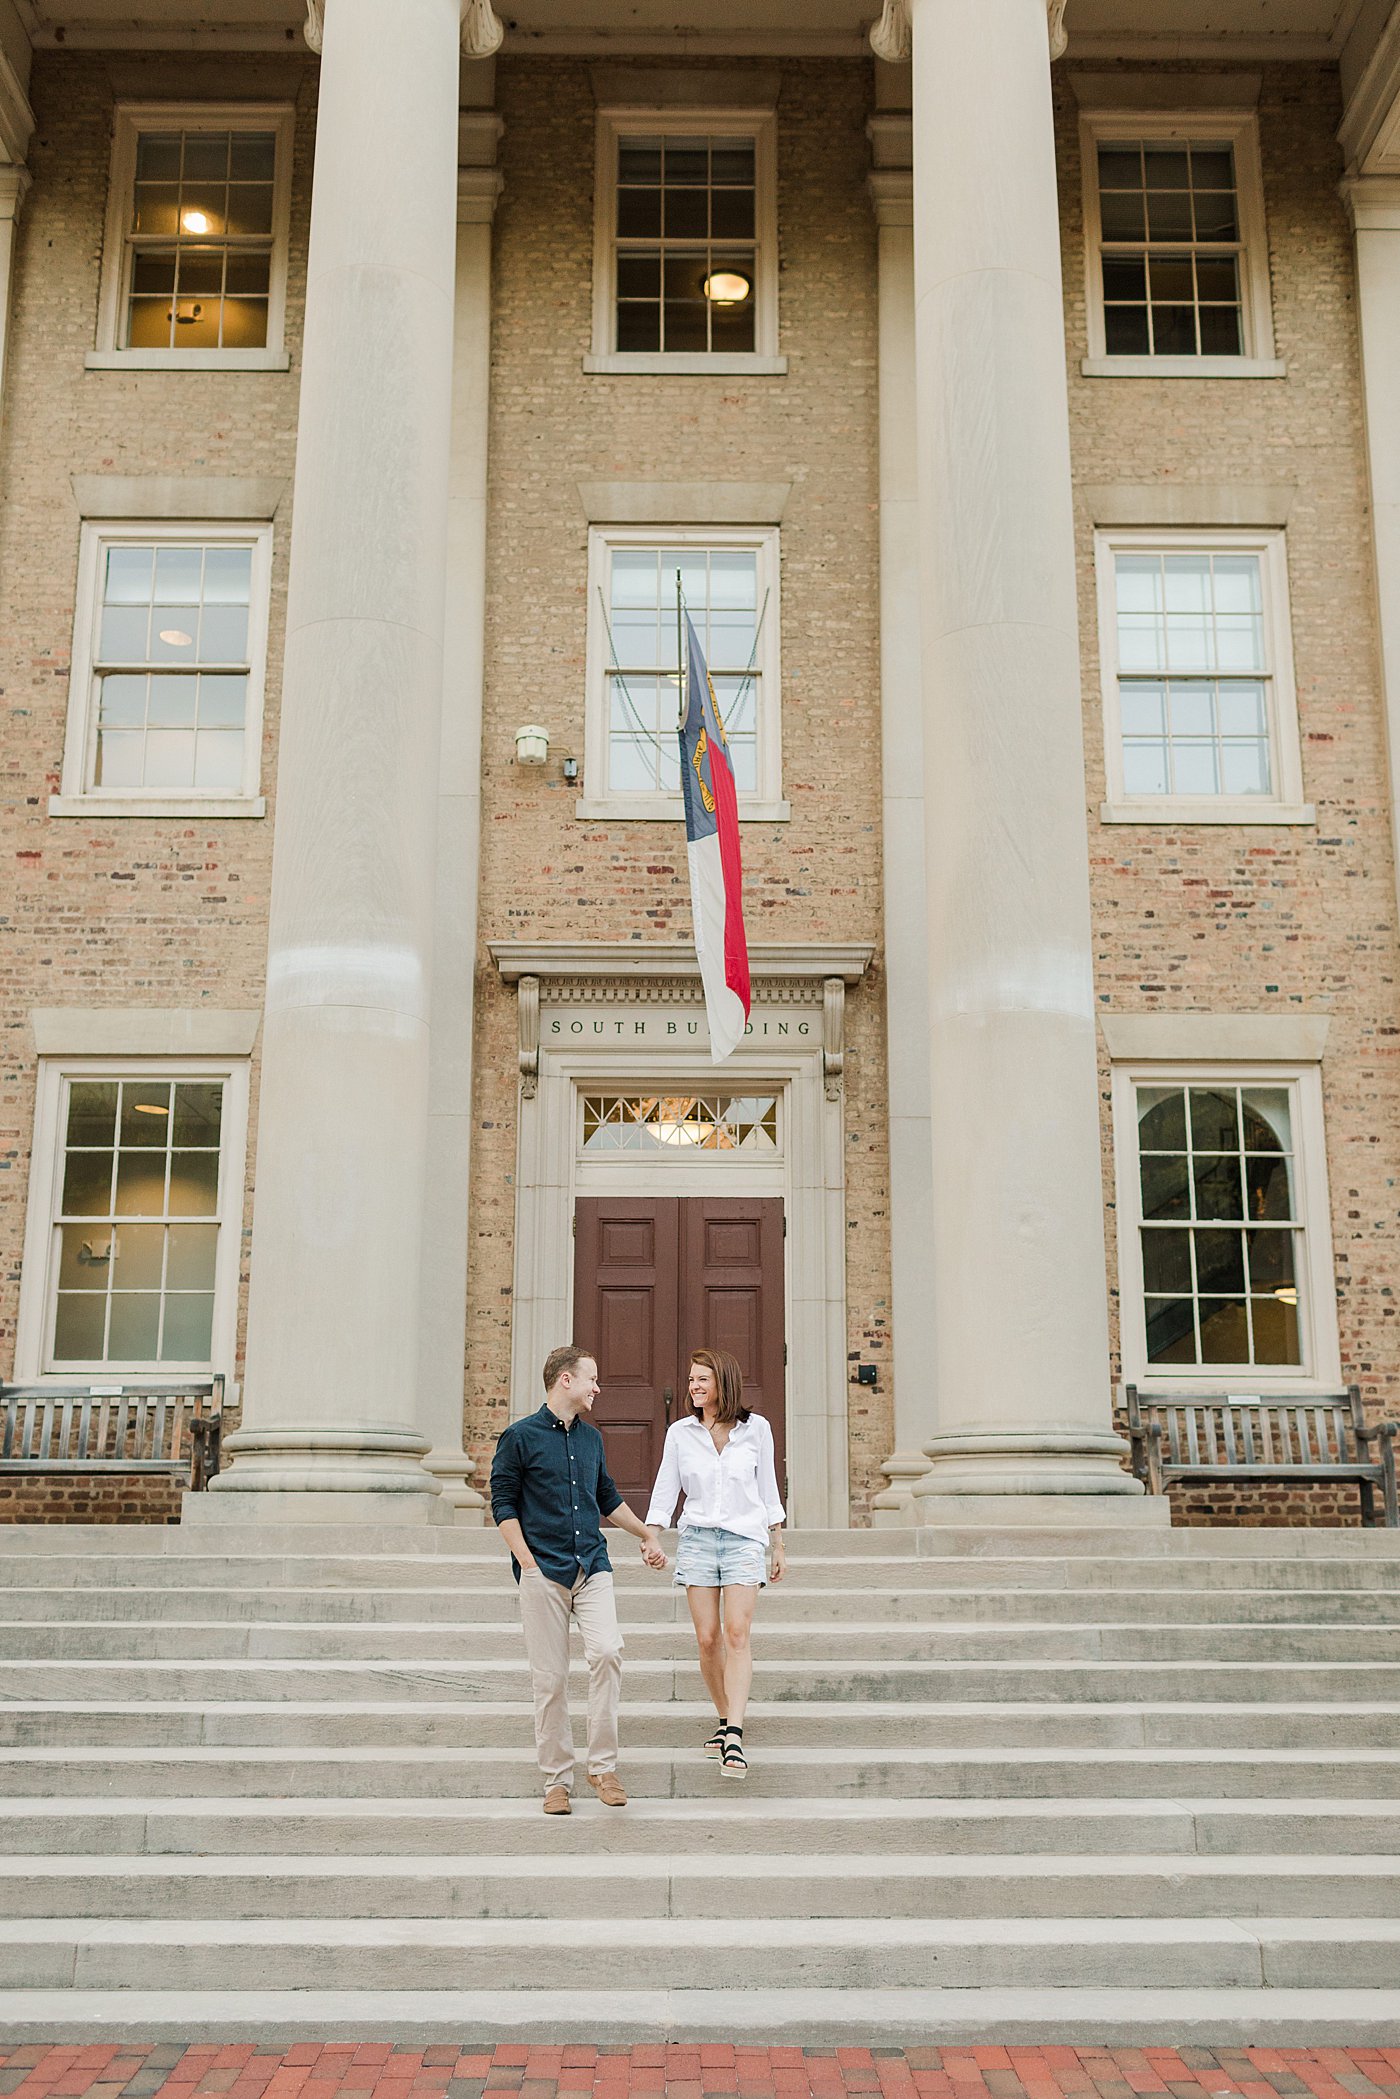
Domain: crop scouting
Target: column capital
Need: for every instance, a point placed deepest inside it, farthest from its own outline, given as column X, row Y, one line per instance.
column 892, row 195
column 892, row 37
column 479, row 180
column 1372, row 202
column 482, row 33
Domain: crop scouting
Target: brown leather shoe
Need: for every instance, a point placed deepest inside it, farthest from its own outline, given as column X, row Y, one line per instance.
column 609, row 1788
column 557, row 1801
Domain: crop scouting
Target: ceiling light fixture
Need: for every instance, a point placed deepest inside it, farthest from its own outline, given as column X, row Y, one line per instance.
column 195, row 221
column 176, row 638
column 726, row 288
column 148, row 1108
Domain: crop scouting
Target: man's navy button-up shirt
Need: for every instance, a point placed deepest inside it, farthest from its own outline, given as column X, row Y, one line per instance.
column 554, row 1481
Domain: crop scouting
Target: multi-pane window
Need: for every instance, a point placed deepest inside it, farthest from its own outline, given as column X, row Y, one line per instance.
column 1169, row 222
column 728, row 585
column 679, row 1123
column 136, row 1223
column 686, row 242
column 1221, row 1229
column 1193, row 673
column 168, row 663
column 200, row 240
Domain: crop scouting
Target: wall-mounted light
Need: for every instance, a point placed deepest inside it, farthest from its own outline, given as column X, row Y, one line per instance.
column 726, row 288
column 531, row 744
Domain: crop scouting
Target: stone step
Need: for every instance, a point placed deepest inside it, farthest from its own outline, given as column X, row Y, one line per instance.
column 801, row 2017
column 552, row 1883
column 426, row 1676
column 848, row 1726
column 1108, row 1573
column 719, row 1824
column 373, row 1953
column 825, row 1644
column 454, row 1607
column 857, row 1772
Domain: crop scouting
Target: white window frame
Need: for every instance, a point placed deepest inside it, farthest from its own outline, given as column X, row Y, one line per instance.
column 1321, row 1368
column 758, row 124
column 38, row 1280
column 1240, row 129
column 598, row 799
column 131, row 119
column 76, row 797
column 1286, row 804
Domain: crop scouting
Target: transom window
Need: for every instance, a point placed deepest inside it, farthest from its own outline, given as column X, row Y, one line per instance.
column 676, row 1123
column 728, row 583
column 1193, row 689
column 685, row 237
column 197, row 232
column 168, row 664
column 1177, row 254
column 1221, row 1259
column 137, row 1223
column 1171, row 248
column 1200, row 713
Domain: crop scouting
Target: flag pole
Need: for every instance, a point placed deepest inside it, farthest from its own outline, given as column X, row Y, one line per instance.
column 681, row 666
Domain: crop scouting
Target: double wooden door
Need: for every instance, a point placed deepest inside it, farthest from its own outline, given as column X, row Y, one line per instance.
column 658, row 1276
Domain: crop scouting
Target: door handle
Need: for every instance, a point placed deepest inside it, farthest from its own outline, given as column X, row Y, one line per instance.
column 668, row 1398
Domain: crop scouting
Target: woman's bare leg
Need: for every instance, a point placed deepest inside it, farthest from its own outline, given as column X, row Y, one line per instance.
column 739, row 1601
column 709, row 1638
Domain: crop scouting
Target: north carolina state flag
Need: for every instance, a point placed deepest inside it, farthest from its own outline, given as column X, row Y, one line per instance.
column 712, row 846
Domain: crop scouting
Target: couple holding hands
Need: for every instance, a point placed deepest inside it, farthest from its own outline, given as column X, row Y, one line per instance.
column 551, row 1495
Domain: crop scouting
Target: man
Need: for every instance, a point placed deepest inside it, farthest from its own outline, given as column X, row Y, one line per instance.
column 550, row 1494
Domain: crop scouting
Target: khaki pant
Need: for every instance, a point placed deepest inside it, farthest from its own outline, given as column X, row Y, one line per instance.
column 546, row 1612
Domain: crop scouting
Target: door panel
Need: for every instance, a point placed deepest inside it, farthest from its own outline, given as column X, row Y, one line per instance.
column 655, row 1277
column 625, row 1279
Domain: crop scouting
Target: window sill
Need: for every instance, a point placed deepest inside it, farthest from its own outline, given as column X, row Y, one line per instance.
column 689, row 364
column 664, row 809
column 1231, row 1380
column 1184, row 368
column 188, row 361
column 1206, row 811
column 96, row 808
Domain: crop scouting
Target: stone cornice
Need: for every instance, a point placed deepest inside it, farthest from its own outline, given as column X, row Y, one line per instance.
column 14, row 188
column 16, row 116
column 624, row 963
column 1372, row 202
column 1369, row 133
column 892, row 195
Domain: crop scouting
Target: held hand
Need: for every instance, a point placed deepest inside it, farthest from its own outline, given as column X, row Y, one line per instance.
column 652, row 1553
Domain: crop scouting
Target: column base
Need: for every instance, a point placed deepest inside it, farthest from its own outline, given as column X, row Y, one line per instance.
column 453, row 1470
column 1057, row 1462
column 321, row 1463
column 894, row 1506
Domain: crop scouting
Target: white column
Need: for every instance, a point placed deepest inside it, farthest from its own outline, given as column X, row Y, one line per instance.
column 1374, row 203
column 331, row 1400
column 902, row 745
column 1019, row 1348
column 442, row 1316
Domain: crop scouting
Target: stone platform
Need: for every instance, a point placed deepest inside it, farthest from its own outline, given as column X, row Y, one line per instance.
column 1050, row 1786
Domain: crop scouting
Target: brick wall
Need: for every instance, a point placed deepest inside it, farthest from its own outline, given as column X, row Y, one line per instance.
column 108, row 1497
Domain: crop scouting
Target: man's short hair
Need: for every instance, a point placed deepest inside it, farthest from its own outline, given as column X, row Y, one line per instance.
column 561, row 1359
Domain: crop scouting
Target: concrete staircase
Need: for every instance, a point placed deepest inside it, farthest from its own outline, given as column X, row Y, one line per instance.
column 1032, row 1787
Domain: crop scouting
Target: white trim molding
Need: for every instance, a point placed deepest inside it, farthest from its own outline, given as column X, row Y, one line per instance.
column 144, row 1031
column 1161, row 506
column 1284, row 804
column 130, row 120
column 160, row 497
column 1320, row 1369
column 37, row 1280
column 1226, row 1038
column 1239, row 128
column 570, row 1042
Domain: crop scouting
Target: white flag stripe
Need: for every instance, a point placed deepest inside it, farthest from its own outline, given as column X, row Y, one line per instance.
column 724, row 1009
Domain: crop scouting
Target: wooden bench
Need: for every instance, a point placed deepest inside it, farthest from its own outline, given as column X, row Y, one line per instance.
column 116, row 1427
column 1245, row 1436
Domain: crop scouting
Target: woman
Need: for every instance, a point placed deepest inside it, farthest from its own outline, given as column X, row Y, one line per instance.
column 720, row 1455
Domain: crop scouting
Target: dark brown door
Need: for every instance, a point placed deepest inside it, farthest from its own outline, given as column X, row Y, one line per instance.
column 657, row 1276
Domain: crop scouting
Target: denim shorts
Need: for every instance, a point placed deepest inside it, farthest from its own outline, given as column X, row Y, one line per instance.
column 709, row 1558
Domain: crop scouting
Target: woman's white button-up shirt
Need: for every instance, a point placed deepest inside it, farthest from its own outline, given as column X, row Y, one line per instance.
column 734, row 1489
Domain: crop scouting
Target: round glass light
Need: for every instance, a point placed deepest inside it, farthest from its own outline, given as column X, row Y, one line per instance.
column 726, row 288
column 176, row 638
column 196, row 221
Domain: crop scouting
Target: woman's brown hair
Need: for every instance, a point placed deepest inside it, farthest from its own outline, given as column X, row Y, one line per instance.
column 729, row 1383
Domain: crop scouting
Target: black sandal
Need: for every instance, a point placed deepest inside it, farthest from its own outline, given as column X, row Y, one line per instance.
column 733, row 1763
column 713, row 1745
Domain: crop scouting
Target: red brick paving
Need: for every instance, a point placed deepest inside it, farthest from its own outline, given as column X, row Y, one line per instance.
column 680, row 2070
